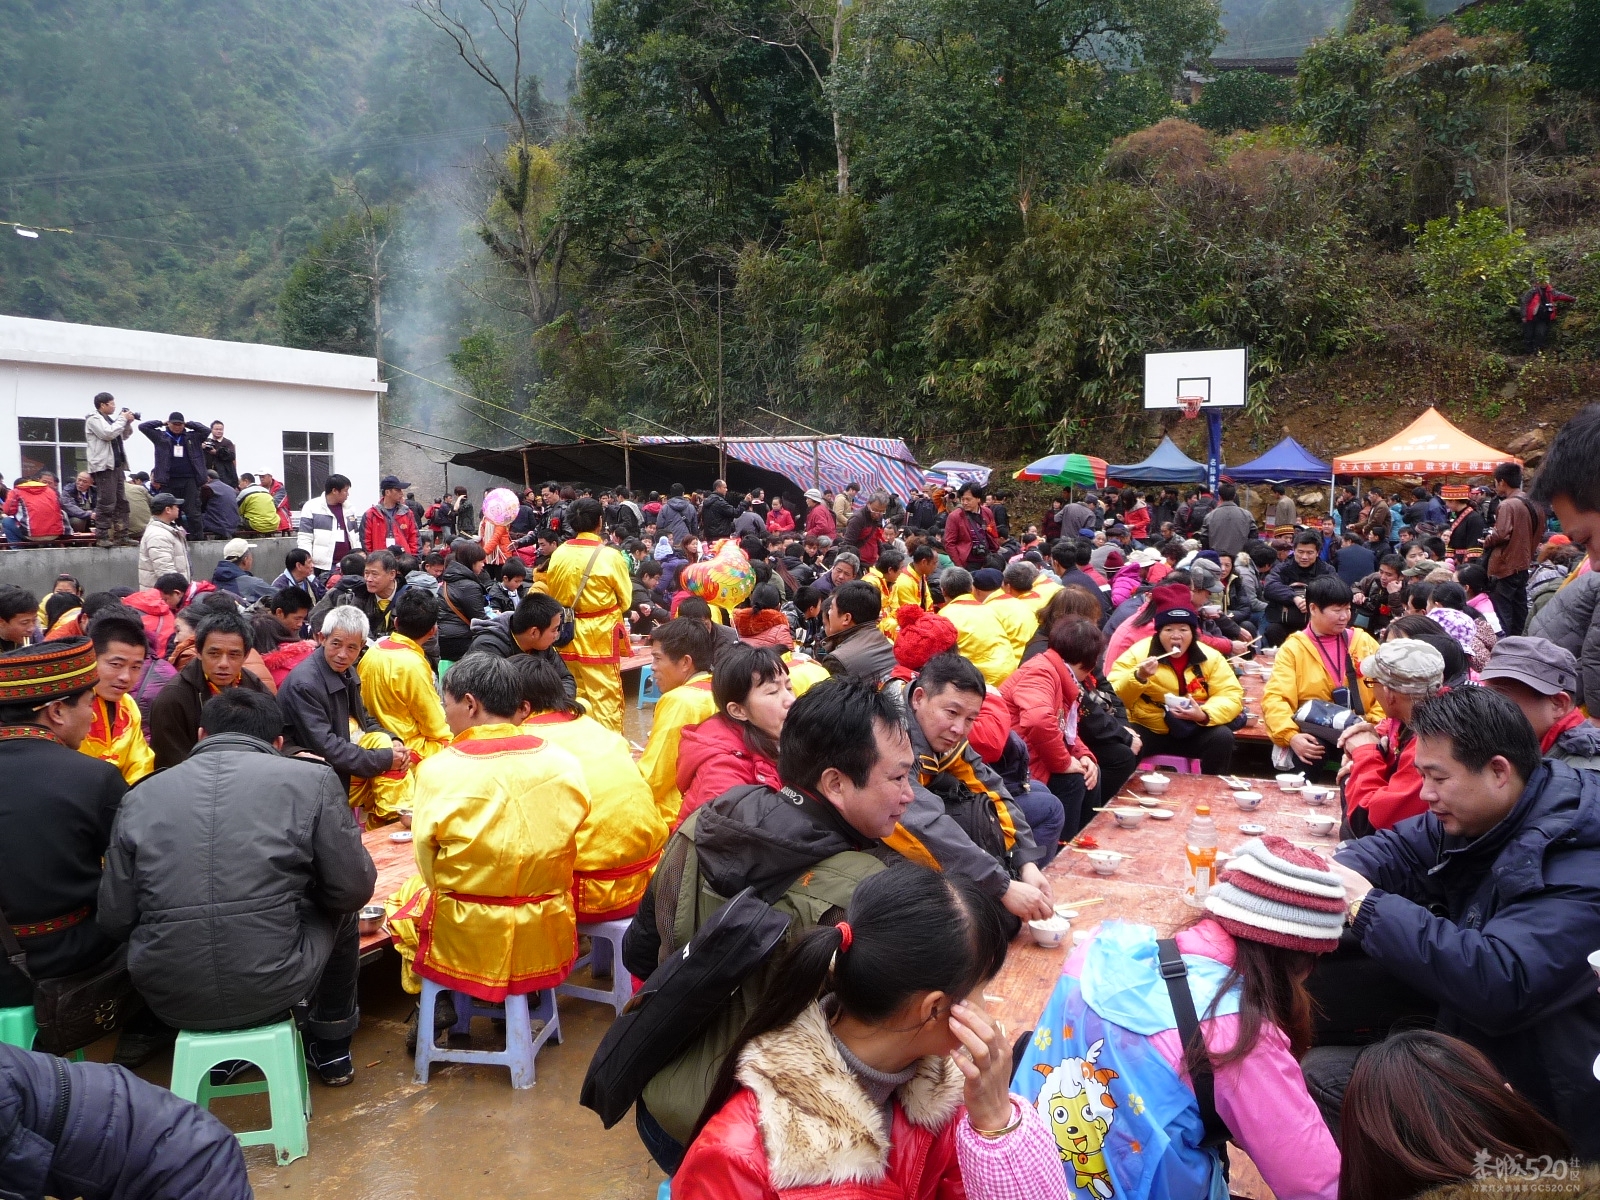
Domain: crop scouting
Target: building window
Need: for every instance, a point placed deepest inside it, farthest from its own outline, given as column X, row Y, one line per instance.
column 54, row 444
column 307, row 463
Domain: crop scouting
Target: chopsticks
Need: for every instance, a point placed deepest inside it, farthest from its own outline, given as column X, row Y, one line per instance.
column 1102, row 850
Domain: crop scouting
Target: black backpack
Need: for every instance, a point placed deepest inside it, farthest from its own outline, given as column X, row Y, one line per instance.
column 678, row 1001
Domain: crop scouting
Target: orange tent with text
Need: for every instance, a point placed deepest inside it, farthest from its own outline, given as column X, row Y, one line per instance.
column 1430, row 445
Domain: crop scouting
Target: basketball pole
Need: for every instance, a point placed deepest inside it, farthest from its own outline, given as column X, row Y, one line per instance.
column 1213, row 448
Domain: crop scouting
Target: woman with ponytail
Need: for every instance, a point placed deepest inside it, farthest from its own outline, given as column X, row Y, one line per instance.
column 870, row 1068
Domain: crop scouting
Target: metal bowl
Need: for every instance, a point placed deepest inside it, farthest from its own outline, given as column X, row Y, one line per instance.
column 371, row 918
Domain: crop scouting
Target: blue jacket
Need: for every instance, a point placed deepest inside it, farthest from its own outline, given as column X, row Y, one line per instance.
column 119, row 1137
column 1496, row 929
column 194, row 449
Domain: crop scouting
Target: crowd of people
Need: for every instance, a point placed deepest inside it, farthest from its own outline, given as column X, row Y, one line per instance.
column 879, row 718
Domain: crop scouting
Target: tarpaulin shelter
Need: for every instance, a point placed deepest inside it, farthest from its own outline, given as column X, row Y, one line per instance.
column 1430, row 445
column 788, row 465
column 943, row 471
column 1167, row 464
column 1287, row 462
column 1084, row 470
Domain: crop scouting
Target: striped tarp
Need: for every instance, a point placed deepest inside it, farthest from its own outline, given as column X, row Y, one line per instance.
column 885, row 463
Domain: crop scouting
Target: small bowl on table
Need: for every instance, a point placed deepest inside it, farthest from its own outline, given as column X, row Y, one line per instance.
column 405, row 817
column 1248, row 801
column 1154, row 783
column 1252, row 829
column 1049, row 932
column 1291, row 782
column 1321, row 824
column 1105, row 862
column 1315, row 793
column 1128, row 818
column 371, row 919
column 1161, row 814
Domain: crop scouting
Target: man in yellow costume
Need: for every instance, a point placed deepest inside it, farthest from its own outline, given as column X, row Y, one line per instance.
column 883, row 576
column 117, row 736
column 495, row 826
column 911, row 585
column 397, row 688
column 600, row 572
column 680, row 655
column 979, row 635
column 620, row 842
column 1013, row 604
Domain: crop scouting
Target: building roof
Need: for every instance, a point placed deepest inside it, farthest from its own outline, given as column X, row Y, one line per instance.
column 61, row 344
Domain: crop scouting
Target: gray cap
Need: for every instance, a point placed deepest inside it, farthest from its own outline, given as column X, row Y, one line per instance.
column 164, row 500
column 1406, row 665
column 1201, row 576
column 1544, row 666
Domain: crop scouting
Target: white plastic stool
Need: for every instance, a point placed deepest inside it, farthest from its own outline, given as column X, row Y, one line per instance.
column 607, row 934
column 522, row 1044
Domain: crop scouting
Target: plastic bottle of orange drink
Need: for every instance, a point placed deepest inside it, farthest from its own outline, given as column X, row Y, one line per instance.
column 1201, row 849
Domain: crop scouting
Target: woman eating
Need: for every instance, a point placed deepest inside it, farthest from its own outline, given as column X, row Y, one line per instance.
column 739, row 745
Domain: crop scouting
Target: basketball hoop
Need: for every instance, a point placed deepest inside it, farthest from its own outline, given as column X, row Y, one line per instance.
column 1190, row 406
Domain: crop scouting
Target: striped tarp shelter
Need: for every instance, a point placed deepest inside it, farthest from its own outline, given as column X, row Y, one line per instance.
column 826, row 462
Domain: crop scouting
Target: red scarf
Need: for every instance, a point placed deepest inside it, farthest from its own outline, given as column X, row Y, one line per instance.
column 1571, row 721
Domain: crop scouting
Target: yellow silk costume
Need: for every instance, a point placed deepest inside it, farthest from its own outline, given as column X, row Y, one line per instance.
column 981, row 638
column 620, row 841
column 397, row 687
column 596, row 650
column 686, row 705
column 495, row 826
column 910, row 588
column 1017, row 617
column 804, row 673
column 119, row 740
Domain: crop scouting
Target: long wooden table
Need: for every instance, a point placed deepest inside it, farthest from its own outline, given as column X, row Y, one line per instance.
column 1254, row 681
column 1147, row 888
column 396, row 864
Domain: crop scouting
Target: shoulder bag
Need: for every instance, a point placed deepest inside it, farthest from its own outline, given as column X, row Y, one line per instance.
column 569, row 616
column 77, row 1009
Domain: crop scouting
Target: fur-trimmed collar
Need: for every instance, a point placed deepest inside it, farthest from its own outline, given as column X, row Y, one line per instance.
column 749, row 622
column 817, row 1124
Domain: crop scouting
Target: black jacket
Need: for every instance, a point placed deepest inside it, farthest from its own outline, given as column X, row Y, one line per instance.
column 194, row 452
column 1279, row 591
column 352, row 590
column 861, row 651
column 56, row 812
column 118, row 1138
column 1496, row 929
column 716, row 516
column 175, row 715
column 677, row 517
column 318, row 706
column 493, row 636
column 225, row 875
column 461, row 595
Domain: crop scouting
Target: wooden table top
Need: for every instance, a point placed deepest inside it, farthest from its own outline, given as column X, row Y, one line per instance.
column 1254, row 681
column 396, row 864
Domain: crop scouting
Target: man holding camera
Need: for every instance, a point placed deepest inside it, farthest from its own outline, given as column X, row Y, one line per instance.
column 108, row 463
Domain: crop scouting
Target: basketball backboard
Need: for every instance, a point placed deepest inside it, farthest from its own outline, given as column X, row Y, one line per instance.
column 1217, row 377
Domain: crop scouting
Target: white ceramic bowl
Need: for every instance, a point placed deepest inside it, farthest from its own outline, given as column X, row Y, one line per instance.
column 1149, row 801
column 1321, row 825
column 1049, row 932
column 1291, row 783
column 1066, row 911
column 1247, row 800
column 1251, row 829
column 1594, row 962
column 1104, row 862
column 1162, row 814
column 1316, row 793
column 1155, row 783
column 1128, row 818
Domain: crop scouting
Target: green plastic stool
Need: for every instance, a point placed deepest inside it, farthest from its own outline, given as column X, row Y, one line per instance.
column 17, row 1026
column 276, row 1050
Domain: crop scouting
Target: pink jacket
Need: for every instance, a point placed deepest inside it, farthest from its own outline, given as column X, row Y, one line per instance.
column 1262, row 1096
column 712, row 759
column 1125, row 583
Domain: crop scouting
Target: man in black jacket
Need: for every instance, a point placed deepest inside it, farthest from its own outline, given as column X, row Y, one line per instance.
column 235, row 878
column 56, row 809
column 717, row 513
column 322, row 696
column 1488, row 904
column 222, row 639
column 532, row 628
column 180, row 468
column 1285, row 588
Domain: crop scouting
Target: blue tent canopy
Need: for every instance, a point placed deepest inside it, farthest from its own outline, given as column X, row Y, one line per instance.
column 1167, row 464
column 1287, row 462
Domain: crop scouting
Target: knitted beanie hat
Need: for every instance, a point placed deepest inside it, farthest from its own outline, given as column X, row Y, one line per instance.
column 922, row 635
column 1174, row 607
column 1272, row 891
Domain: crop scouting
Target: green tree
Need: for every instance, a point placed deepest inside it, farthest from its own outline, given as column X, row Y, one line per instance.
column 1472, row 268
column 333, row 298
column 1242, row 100
column 1562, row 34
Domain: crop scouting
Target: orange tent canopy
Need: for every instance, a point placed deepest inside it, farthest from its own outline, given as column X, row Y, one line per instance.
column 1430, row 445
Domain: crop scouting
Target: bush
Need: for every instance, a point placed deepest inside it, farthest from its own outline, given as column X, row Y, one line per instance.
column 1245, row 99
column 1472, row 269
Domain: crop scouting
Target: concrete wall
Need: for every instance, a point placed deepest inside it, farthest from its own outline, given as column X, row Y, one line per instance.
column 54, row 369
column 99, row 570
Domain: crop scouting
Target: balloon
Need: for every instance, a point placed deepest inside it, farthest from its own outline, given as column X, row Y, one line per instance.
column 500, row 506
column 726, row 579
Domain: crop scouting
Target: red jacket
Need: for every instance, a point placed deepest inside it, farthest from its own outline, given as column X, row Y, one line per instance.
column 820, row 522
column 728, row 1161
column 1042, row 693
column 1540, row 295
column 712, row 759
column 375, row 531
column 864, row 534
column 37, row 507
column 780, row 520
column 991, row 728
column 159, row 622
column 1388, row 787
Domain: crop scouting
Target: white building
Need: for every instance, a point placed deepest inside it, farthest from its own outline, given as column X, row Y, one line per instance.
column 299, row 415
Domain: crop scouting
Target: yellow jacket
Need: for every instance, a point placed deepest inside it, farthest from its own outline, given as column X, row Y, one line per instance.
column 601, row 608
column 981, row 638
column 1043, row 587
column 620, row 841
column 496, row 826
column 804, row 674
column 120, row 740
column 1217, row 689
column 1017, row 616
column 1298, row 675
column 910, row 588
column 397, row 686
column 686, row 705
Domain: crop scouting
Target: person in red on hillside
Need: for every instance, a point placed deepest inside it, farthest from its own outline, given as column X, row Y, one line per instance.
column 969, row 533
column 1382, row 785
column 1538, row 310
column 390, row 524
column 739, row 745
